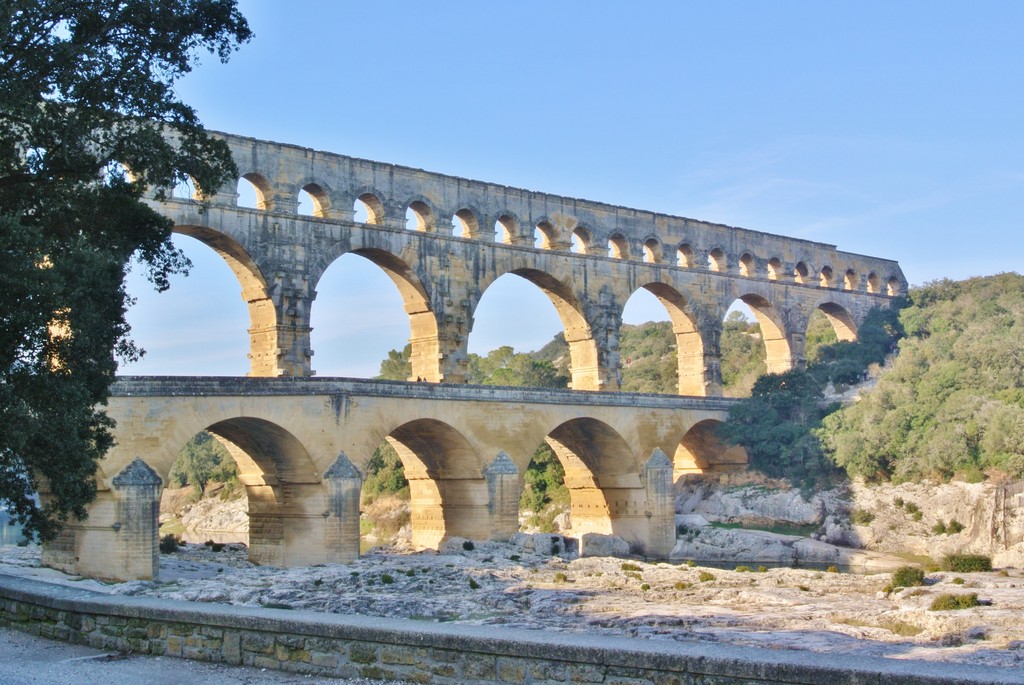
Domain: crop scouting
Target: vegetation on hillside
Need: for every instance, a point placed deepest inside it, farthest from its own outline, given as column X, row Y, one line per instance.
column 953, row 403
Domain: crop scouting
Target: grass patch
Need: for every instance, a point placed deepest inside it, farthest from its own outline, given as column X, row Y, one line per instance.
column 951, row 602
column 705, row 576
column 779, row 528
column 628, row 566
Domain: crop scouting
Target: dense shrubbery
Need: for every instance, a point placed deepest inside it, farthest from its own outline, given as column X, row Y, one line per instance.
column 951, row 602
column 953, row 403
column 907, row 576
column 966, row 563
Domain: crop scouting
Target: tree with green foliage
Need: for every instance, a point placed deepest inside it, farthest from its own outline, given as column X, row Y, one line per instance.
column 86, row 92
column 742, row 354
column 201, row 460
column 385, row 475
column 505, row 366
column 775, row 425
column 544, row 481
column 397, row 366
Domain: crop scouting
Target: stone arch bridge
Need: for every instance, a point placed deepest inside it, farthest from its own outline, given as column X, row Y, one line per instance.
column 302, row 442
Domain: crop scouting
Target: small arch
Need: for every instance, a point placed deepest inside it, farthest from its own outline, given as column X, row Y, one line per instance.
column 850, row 280
column 254, row 191
column 581, row 240
column 368, row 209
column 774, row 269
column 702, row 451
column 419, row 217
column 652, row 251
column 684, row 256
column 315, row 198
column 545, row 236
column 801, row 273
column 874, row 283
column 717, row 260
column 825, row 277
column 894, row 287
column 465, row 224
column 505, row 229
column 747, row 265
column 618, row 248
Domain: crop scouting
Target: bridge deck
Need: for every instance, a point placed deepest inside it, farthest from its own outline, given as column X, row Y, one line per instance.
column 213, row 386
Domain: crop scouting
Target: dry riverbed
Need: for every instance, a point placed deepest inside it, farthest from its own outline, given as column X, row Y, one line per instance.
column 502, row 585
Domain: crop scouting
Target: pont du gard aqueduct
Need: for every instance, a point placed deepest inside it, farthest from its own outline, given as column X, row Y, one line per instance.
column 302, row 443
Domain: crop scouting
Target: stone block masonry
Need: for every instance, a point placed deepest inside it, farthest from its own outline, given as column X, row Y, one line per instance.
column 445, row 654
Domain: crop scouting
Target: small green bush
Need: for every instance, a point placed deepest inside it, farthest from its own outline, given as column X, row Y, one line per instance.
column 744, row 569
column 386, row 579
column 561, row 578
column 939, row 528
column 951, row 602
column 628, row 566
column 168, row 544
column 861, row 517
column 911, row 508
column 917, row 515
column 473, row 585
column 762, row 569
column 898, row 502
column 954, row 527
column 832, row 569
column 705, row 576
column 691, row 563
column 514, row 557
column 645, row 587
column 468, row 545
column 318, row 582
column 966, row 563
column 411, row 572
column 957, row 581
column 907, row 576
column 682, row 585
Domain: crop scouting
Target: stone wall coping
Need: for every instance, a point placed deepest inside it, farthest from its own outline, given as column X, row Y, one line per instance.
column 709, row 660
column 211, row 386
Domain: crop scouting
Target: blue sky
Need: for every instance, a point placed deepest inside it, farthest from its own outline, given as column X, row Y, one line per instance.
column 890, row 129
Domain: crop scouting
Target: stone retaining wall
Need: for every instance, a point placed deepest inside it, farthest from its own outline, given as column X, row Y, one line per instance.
column 415, row 652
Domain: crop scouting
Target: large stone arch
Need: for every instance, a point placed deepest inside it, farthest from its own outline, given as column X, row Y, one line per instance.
column 604, row 479
column 701, row 450
column 286, row 500
column 587, row 372
column 424, row 336
column 448, row 493
column 840, row 317
column 774, row 332
column 264, row 332
column 689, row 343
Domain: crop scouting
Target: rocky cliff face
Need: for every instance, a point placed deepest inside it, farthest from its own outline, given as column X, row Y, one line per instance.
column 912, row 518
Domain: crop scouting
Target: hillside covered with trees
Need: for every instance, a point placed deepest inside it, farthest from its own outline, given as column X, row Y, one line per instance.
column 953, row 403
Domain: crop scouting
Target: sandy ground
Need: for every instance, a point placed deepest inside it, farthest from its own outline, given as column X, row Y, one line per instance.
column 498, row 584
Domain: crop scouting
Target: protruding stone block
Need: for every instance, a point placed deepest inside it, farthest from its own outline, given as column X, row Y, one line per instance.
column 660, row 505
column 343, row 484
column 503, row 491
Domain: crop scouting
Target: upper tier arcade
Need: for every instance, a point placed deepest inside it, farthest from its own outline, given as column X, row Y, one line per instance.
column 587, row 257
